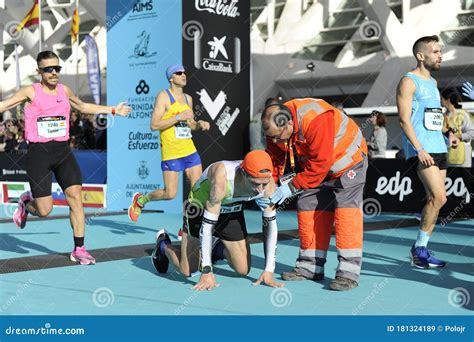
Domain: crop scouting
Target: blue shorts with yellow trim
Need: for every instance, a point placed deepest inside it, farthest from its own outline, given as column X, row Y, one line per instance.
column 181, row 164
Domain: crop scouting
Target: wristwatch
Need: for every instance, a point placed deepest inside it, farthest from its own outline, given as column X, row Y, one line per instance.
column 450, row 130
column 206, row 269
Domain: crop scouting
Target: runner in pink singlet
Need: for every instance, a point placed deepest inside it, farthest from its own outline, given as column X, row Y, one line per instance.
column 47, row 110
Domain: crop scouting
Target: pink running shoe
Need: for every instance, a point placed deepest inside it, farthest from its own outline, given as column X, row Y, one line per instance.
column 82, row 256
column 20, row 215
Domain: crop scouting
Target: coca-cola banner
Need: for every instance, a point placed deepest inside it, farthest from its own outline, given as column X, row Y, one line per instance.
column 216, row 55
column 392, row 186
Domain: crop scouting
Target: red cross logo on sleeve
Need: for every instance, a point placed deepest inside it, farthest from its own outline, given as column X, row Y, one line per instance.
column 351, row 174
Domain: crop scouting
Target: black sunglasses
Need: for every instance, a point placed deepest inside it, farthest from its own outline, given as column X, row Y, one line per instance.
column 277, row 137
column 179, row 73
column 49, row 69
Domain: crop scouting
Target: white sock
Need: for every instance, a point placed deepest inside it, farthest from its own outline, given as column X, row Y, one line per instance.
column 422, row 239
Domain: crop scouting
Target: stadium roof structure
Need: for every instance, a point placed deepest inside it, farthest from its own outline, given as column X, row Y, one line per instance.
column 56, row 17
column 354, row 51
column 348, row 51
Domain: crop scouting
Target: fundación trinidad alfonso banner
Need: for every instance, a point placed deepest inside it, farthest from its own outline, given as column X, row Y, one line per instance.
column 212, row 40
column 143, row 39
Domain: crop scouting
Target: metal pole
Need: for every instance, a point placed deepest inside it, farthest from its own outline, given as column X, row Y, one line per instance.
column 39, row 24
column 76, row 57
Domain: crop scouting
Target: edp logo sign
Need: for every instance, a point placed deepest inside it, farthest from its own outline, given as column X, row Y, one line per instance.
column 402, row 186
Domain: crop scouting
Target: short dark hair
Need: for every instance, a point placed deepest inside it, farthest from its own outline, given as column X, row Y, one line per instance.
column 46, row 55
column 452, row 95
column 270, row 101
column 381, row 119
column 422, row 41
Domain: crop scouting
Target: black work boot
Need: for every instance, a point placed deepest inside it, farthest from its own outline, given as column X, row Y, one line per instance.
column 294, row 275
column 343, row 284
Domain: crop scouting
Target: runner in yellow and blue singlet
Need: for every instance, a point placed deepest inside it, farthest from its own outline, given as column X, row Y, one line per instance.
column 173, row 117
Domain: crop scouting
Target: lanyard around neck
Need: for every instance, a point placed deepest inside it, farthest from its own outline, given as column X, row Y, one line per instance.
column 288, row 148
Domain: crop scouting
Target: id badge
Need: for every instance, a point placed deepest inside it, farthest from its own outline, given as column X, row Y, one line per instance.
column 182, row 131
column 51, row 126
column 285, row 179
column 434, row 119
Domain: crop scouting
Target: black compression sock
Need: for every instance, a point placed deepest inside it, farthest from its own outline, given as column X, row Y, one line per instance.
column 78, row 242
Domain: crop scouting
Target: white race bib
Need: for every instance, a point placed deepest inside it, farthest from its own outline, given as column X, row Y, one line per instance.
column 434, row 119
column 227, row 209
column 182, row 131
column 51, row 126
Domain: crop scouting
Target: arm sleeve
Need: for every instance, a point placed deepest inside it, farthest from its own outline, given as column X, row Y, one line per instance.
column 381, row 137
column 372, row 143
column 208, row 224
column 320, row 137
column 467, row 128
column 270, row 234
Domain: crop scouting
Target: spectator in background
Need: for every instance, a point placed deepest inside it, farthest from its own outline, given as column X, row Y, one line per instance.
column 13, row 126
column 76, row 130
column 88, row 137
column 75, row 124
column 101, row 139
column 459, row 123
column 3, row 136
column 6, row 115
column 12, row 129
column 9, row 142
column 12, row 136
column 73, row 144
column 378, row 140
column 2, row 132
column 22, row 143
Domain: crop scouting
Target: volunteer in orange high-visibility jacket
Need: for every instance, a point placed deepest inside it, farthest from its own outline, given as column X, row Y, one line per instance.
column 319, row 153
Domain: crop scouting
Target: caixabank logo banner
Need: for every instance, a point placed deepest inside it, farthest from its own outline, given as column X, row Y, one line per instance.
column 220, row 53
column 217, row 108
column 218, row 65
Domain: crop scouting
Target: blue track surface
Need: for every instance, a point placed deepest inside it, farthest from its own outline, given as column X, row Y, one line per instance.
column 389, row 285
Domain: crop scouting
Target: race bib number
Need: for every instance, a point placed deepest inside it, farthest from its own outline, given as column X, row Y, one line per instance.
column 228, row 209
column 182, row 131
column 52, row 126
column 434, row 119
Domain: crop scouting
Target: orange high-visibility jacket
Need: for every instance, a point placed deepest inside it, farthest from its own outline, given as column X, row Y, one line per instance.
column 326, row 143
